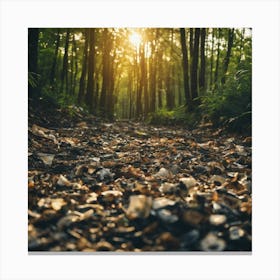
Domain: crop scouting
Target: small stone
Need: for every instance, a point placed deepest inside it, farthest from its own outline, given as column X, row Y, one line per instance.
column 189, row 238
column 217, row 180
column 217, row 220
column 212, row 243
column 168, row 188
column 139, row 207
column 162, row 202
column 236, row 233
column 57, row 203
column 167, row 216
column 104, row 246
column 169, row 241
column 188, row 182
column 192, row 217
column 63, row 181
column 111, row 195
column 46, row 158
column 163, row 173
column 104, row 173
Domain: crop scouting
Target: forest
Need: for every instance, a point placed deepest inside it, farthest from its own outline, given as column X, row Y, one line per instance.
column 139, row 139
column 152, row 74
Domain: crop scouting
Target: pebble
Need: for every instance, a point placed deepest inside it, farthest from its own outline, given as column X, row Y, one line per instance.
column 139, row 206
column 217, row 220
column 212, row 243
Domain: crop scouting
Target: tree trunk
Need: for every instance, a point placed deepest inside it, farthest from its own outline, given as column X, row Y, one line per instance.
column 185, row 64
column 84, row 70
column 91, row 62
column 53, row 69
column 64, row 72
column 202, row 60
column 212, row 59
column 194, row 85
column 33, row 37
column 227, row 58
column 217, row 60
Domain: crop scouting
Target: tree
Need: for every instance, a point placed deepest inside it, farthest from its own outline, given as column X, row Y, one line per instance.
column 64, row 72
column 33, row 37
column 217, row 59
column 91, row 63
column 185, row 64
column 202, row 59
column 53, row 69
column 194, row 85
column 84, row 70
column 227, row 58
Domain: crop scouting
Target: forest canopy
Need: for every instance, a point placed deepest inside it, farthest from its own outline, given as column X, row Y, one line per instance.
column 153, row 74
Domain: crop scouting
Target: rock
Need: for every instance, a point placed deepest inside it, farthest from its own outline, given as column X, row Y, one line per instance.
column 169, row 241
column 57, row 203
column 104, row 246
column 111, row 195
column 192, row 217
column 188, row 182
column 217, row 220
column 162, row 202
column 189, row 238
column 163, row 173
column 63, row 181
column 168, row 188
column 104, row 173
column 236, row 233
column 46, row 158
column 212, row 243
column 217, row 180
column 139, row 207
column 167, row 216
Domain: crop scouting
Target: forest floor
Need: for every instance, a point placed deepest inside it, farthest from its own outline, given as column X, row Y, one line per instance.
column 126, row 186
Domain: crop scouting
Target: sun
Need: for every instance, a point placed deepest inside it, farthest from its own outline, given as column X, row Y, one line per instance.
column 135, row 39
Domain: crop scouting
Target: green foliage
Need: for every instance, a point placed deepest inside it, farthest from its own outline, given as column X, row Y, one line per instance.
column 33, row 79
column 231, row 101
column 174, row 117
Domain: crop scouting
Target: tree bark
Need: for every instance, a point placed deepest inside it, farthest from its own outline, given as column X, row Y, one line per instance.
column 64, row 72
column 33, row 37
column 194, row 85
column 91, row 62
column 202, row 60
column 227, row 58
column 84, row 70
column 53, row 69
column 185, row 64
column 217, row 60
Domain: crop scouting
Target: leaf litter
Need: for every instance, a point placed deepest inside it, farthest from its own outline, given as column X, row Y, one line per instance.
column 130, row 187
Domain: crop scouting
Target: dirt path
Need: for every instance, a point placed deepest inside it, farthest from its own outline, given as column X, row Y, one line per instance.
column 123, row 186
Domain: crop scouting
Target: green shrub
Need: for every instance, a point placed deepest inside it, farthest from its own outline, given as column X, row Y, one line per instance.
column 229, row 102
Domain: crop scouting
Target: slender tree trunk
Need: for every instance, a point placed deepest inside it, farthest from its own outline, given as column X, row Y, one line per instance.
column 153, row 72
column 194, row 85
column 64, row 72
column 217, row 60
column 212, row 59
column 105, row 72
column 202, row 60
column 185, row 64
column 191, row 43
column 84, row 70
column 33, row 37
column 241, row 46
column 160, row 80
column 76, row 67
column 91, row 62
column 227, row 58
column 53, row 69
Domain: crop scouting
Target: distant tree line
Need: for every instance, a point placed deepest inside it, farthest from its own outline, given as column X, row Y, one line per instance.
column 112, row 73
